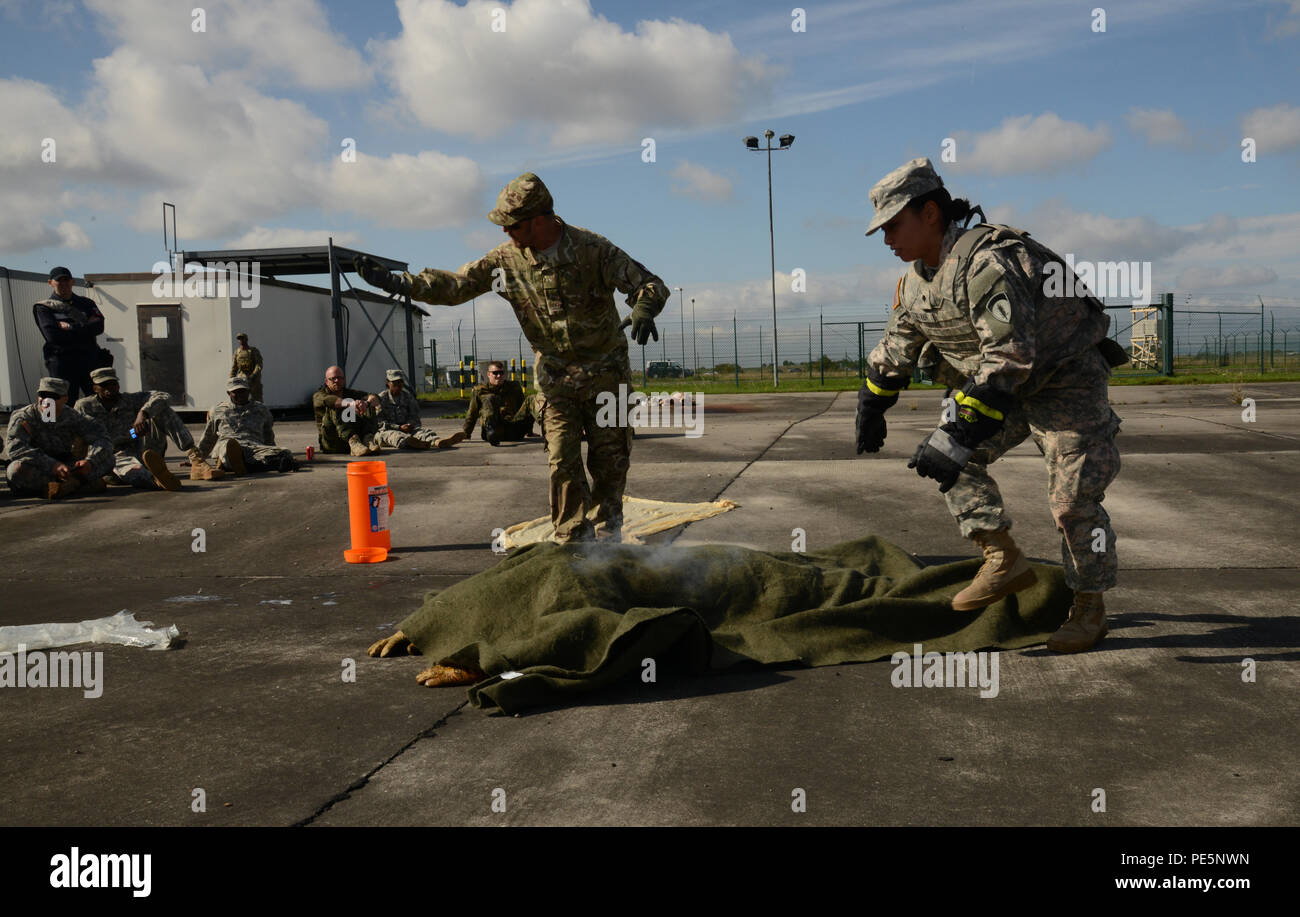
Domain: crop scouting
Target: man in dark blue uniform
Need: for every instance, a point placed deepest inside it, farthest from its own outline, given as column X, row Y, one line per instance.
column 70, row 324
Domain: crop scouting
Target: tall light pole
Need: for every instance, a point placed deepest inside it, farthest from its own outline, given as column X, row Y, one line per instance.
column 695, row 344
column 752, row 143
column 681, row 299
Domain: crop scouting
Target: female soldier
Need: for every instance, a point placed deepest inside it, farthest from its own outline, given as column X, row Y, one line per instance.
column 1034, row 366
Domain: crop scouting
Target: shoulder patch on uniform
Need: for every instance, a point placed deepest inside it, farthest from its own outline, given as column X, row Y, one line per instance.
column 1000, row 307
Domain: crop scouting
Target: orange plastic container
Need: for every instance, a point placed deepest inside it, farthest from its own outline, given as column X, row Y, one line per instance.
column 370, row 503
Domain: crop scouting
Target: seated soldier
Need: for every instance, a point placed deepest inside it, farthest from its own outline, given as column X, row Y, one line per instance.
column 54, row 451
column 399, row 419
column 241, row 430
column 504, row 407
column 345, row 418
column 138, row 424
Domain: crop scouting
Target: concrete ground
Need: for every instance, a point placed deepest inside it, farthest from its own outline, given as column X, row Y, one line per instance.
column 253, row 709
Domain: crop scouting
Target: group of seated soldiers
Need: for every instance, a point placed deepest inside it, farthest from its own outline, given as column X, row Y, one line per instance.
column 116, row 437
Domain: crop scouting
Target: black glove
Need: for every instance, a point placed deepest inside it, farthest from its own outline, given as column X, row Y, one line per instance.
column 874, row 399
column 981, row 413
column 375, row 274
column 643, row 324
column 940, row 457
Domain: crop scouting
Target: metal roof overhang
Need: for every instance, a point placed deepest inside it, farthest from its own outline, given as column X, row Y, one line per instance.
column 324, row 259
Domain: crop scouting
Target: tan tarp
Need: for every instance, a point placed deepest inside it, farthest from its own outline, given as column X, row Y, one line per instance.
column 640, row 518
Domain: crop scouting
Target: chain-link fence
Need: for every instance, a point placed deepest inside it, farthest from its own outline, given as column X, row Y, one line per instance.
column 1177, row 333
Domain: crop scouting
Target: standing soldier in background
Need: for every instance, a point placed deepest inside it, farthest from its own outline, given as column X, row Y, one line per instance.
column 242, row 431
column 560, row 280
column 71, row 324
column 54, row 451
column 138, row 459
column 247, row 362
column 1036, row 365
column 399, row 418
column 503, row 405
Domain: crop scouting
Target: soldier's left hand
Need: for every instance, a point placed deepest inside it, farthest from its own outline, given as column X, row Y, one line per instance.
column 940, row 457
column 643, row 325
column 141, row 424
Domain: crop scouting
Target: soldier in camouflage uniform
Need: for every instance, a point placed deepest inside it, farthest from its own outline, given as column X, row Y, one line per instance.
column 400, row 426
column 139, row 460
column 54, row 451
column 247, row 362
column 242, row 432
column 503, row 405
column 560, row 280
column 1036, row 365
column 346, row 418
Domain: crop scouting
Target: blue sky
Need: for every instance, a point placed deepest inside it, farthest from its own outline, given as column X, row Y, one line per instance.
column 1115, row 144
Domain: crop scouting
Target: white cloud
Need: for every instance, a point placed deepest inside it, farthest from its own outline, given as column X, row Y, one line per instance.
column 1095, row 236
column 1275, row 129
column 693, row 180
column 286, row 237
column 1233, row 275
column 265, row 39
column 426, row 191
column 1158, row 126
column 561, row 70
column 1025, row 143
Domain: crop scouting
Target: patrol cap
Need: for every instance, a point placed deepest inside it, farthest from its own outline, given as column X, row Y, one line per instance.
column 237, row 382
column 103, row 374
column 522, row 199
column 891, row 194
column 55, row 388
column 58, row 272
column 395, row 375
column 242, row 336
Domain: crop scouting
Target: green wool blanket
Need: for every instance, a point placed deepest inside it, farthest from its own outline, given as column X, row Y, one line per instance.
column 553, row 621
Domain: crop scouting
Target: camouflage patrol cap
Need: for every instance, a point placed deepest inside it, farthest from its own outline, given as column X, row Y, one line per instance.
column 242, row 336
column 53, row 387
column 237, row 382
column 395, row 375
column 522, row 199
column 891, row 194
column 103, row 374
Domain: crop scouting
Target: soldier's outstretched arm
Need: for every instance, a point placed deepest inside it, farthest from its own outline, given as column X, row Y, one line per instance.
column 448, row 288
column 894, row 357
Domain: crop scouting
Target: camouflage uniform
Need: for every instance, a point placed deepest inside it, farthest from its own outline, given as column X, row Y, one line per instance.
column 332, row 431
column 565, row 306
column 247, row 362
column 393, row 413
column 250, row 426
column 505, row 404
column 119, row 419
column 33, row 446
column 1000, row 330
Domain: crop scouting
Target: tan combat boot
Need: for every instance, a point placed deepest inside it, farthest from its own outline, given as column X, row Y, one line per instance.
column 414, row 442
column 455, row 439
column 200, row 470
column 1085, row 628
column 1005, row 571
column 357, row 447
column 56, row 490
column 158, row 468
column 234, row 456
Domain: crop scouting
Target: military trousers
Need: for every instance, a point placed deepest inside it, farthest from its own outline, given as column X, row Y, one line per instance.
column 257, row 457
column 335, row 432
column 1072, row 424
column 394, row 438
column 577, row 510
column 30, row 476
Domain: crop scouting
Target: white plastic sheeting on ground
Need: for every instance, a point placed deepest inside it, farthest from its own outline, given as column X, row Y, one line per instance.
column 121, row 628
